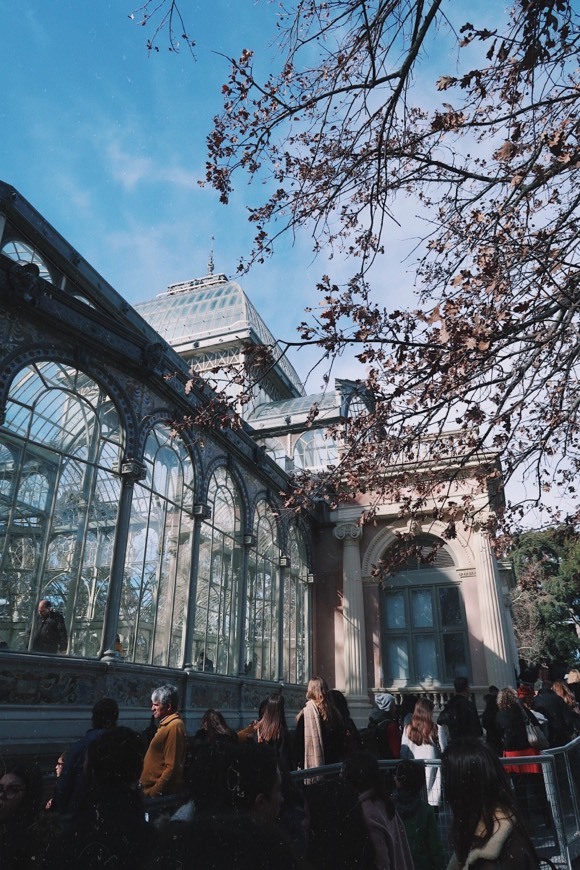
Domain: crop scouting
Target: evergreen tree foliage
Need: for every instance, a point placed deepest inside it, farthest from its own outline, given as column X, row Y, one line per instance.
column 546, row 600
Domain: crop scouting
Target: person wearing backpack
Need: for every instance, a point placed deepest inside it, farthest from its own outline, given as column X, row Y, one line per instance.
column 383, row 734
column 459, row 715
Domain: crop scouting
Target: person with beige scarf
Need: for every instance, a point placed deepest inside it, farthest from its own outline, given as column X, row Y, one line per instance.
column 320, row 730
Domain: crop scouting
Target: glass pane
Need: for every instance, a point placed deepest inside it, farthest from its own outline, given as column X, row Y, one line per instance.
column 262, row 602
column 58, row 516
column 397, row 659
column 395, row 610
column 454, row 656
column 425, row 657
column 422, row 608
column 295, row 612
column 218, row 581
column 158, row 556
column 450, row 605
column 315, row 451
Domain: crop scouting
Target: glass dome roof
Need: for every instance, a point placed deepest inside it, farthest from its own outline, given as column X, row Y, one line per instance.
column 282, row 414
column 210, row 311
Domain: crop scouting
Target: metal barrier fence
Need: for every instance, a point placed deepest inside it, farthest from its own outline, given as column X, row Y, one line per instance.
column 550, row 800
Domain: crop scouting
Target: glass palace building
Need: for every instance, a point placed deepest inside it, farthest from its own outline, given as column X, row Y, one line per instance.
column 165, row 546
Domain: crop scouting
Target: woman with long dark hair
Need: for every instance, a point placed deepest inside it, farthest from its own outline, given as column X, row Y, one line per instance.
column 272, row 729
column 213, row 726
column 320, row 730
column 419, row 742
column 488, row 825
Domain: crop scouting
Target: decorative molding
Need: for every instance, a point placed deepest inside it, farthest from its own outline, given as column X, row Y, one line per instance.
column 347, row 531
column 131, row 470
column 386, row 537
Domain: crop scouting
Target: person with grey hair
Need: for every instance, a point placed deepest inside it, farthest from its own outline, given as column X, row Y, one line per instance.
column 49, row 635
column 164, row 761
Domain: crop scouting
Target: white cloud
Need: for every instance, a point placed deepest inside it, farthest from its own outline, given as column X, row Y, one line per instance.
column 131, row 169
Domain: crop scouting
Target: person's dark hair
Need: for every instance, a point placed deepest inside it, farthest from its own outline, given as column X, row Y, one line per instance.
column 215, row 726
column 408, row 704
column 476, row 787
column 166, row 695
column 30, row 775
column 461, row 684
column 422, row 729
column 490, row 701
column 272, row 724
column 116, row 757
column 410, row 776
column 105, row 713
column 361, row 770
column 340, row 703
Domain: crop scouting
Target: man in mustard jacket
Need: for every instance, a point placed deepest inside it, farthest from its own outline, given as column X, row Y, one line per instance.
column 163, row 764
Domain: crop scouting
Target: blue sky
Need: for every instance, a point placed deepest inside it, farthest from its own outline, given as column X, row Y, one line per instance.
column 108, row 143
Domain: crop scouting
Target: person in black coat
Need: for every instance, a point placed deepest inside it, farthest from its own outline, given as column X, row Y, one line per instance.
column 560, row 715
column 527, row 780
column 488, row 720
column 110, row 830
column 50, row 631
column 459, row 714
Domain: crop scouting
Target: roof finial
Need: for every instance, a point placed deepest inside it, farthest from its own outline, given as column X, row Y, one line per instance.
column 210, row 265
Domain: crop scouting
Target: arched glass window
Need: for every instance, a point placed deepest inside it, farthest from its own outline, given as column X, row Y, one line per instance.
column 295, row 613
column 219, row 578
column 315, row 451
column 276, row 451
column 59, row 444
column 22, row 252
column 263, row 599
column 158, row 558
column 424, row 632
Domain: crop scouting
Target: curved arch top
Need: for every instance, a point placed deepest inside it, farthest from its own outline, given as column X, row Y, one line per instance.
column 386, row 537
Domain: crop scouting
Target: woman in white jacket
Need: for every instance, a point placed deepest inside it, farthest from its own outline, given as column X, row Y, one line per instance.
column 419, row 742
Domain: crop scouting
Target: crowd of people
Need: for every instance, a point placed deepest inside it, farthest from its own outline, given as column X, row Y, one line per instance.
column 226, row 798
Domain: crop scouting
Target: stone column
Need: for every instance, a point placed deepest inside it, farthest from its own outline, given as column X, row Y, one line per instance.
column 355, row 675
column 500, row 671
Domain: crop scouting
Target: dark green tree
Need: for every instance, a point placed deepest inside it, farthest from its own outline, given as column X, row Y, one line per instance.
column 546, row 599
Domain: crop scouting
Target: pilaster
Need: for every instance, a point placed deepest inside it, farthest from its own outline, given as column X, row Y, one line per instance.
column 353, row 620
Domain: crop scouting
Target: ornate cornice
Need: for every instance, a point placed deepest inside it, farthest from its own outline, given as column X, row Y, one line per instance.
column 347, row 531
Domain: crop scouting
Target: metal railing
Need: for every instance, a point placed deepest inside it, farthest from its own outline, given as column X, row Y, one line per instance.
column 550, row 800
